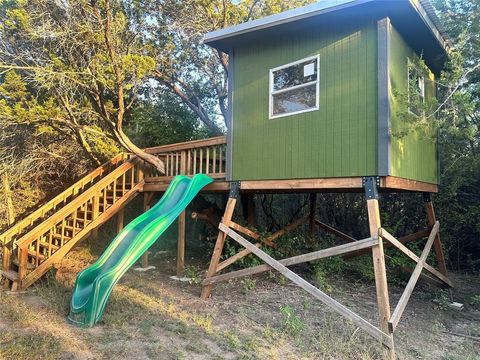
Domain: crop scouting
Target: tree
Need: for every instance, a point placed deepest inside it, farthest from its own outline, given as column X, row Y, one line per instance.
column 83, row 64
column 192, row 71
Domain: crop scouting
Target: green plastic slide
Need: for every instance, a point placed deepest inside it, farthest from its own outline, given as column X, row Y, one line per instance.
column 95, row 283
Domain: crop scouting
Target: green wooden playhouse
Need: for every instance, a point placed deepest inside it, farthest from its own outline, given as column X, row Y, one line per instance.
column 315, row 92
column 335, row 96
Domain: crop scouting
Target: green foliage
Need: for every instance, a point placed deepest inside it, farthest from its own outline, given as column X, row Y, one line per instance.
column 475, row 301
column 248, row 285
column 193, row 273
column 292, row 323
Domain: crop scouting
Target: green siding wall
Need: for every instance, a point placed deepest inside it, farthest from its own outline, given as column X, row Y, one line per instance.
column 413, row 156
column 340, row 139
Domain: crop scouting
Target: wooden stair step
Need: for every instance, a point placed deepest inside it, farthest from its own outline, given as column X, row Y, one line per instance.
column 34, row 254
column 46, row 245
column 30, row 266
column 10, row 274
column 59, row 236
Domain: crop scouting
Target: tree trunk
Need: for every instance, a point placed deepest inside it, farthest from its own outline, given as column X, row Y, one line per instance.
column 8, row 200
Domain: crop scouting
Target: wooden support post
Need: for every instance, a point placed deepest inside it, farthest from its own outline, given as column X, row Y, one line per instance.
column 182, row 223
column 181, row 244
column 383, row 301
column 311, row 224
column 217, row 251
column 120, row 219
column 95, row 212
column 147, row 198
column 437, row 245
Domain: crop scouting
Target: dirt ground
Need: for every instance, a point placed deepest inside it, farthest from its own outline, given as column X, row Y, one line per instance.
column 150, row 316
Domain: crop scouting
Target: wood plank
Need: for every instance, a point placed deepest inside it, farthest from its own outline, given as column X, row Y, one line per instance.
column 397, row 183
column 437, row 245
column 402, row 303
column 60, row 198
column 194, row 144
column 181, row 244
column 390, row 238
column 316, row 255
column 287, row 229
column 303, row 184
column 234, row 258
column 74, row 204
column 379, row 268
column 324, row 298
column 217, row 251
column 40, row 270
column 334, row 231
column 244, row 230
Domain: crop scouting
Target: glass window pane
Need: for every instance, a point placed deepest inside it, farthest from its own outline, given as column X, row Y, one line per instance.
column 295, row 75
column 295, row 100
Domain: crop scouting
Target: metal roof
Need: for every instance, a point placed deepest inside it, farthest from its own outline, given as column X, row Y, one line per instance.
column 403, row 11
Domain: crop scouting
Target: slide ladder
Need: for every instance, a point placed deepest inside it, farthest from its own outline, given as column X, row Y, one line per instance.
column 33, row 245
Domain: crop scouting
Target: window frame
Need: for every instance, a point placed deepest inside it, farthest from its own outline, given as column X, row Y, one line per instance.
column 411, row 67
column 272, row 92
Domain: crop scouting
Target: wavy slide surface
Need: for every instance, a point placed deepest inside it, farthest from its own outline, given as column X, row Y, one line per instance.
column 95, row 283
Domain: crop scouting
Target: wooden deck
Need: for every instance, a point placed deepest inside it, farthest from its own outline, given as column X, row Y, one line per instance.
column 208, row 157
column 34, row 244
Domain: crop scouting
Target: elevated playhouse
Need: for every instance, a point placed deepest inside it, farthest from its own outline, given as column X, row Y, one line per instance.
column 319, row 101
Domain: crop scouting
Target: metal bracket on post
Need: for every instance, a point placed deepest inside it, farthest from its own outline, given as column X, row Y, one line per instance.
column 371, row 184
column 234, row 189
column 427, row 197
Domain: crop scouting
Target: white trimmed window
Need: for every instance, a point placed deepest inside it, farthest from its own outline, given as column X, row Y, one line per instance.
column 294, row 87
column 416, row 90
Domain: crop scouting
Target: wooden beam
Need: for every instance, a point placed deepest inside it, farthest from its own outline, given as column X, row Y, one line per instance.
column 320, row 254
column 387, row 236
column 217, row 251
column 437, row 245
column 404, row 240
column 194, row 144
column 334, row 231
column 402, row 303
column 244, row 230
column 181, row 244
column 288, row 228
column 311, row 220
column 120, row 220
column 235, row 258
column 324, row 298
column 397, row 183
column 303, row 184
column 111, row 211
column 379, row 268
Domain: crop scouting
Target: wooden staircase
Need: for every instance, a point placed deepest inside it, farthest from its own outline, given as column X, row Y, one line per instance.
column 35, row 244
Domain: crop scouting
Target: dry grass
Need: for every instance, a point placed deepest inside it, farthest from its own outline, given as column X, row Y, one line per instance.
column 150, row 316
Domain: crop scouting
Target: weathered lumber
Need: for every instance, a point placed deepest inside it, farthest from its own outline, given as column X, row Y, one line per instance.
column 437, row 244
column 320, row 254
column 217, row 251
column 287, row 229
column 390, row 238
column 402, row 303
column 379, row 268
column 102, row 218
column 334, row 231
column 327, row 300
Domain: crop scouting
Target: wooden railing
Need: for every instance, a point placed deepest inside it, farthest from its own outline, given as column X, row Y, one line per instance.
column 36, row 251
column 35, row 243
column 192, row 157
column 50, row 207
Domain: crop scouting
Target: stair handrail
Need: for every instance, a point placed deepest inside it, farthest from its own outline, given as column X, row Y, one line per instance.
column 71, row 190
column 29, row 237
column 194, row 144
